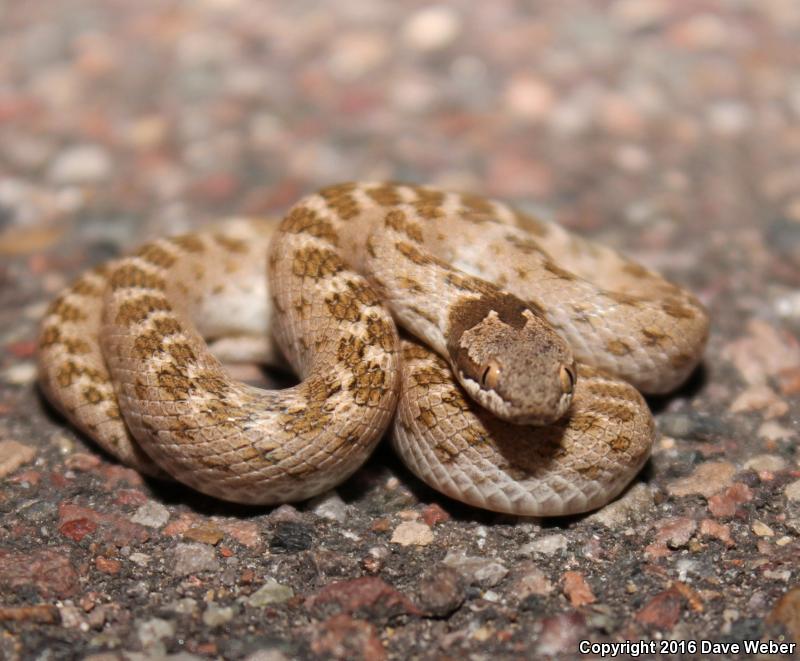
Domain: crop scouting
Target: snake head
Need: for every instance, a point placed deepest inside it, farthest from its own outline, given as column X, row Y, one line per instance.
column 510, row 360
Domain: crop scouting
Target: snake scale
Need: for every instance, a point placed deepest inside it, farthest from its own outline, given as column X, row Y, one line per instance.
column 514, row 387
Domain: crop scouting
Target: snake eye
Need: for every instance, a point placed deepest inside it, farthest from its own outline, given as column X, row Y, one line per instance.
column 567, row 377
column 490, row 375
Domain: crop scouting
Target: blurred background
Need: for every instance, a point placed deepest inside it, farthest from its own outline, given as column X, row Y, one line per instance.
column 662, row 120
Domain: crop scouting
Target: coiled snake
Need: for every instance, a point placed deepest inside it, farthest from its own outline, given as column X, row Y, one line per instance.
column 547, row 419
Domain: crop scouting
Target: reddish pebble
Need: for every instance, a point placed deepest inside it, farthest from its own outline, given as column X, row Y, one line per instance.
column 115, row 474
column 31, row 477
column 434, row 514
column 130, row 497
column 720, row 531
column 58, row 480
column 88, row 601
column 207, row 649
column 577, row 589
column 789, row 381
column 49, row 571
column 724, row 504
column 180, row 525
column 82, row 462
column 691, row 595
column 107, row 565
column 244, row 532
column 22, row 349
column 662, row 611
column 77, row 529
column 368, row 597
column 671, row 534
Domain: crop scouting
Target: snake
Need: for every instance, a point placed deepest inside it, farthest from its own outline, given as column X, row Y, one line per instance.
column 506, row 357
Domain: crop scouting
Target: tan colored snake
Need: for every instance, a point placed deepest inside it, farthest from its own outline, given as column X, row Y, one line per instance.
column 563, row 338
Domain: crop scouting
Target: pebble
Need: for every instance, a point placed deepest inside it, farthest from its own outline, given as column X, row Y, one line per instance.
column 47, row 571
column 706, row 480
column 531, row 580
column 662, row 611
column 355, row 54
column 529, row 97
column 285, row 513
column 692, row 425
column 151, row 515
column 215, row 615
column 291, row 536
column 245, row 533
column 773, row 431
column 329, row 506
column 762, row 529
column 481, row 571
column 639, row 14
column 267, row 655
column 271, row 592
column 676, row 532
column 40, row 613
column 547, row 545
column 760, row 398
column 154, row 630
column 412, row 533
column 81, row 164
column 76, row 522
column 431, row 28
column 207, row 533
column 728, row 118
column 724, row 504
column 560, row 635
column 786, row 612
column 720, row 531
column 107, row 565
column 441, row 591
column 193, row 559
column 792, row 491
column 13, row 455
column 577, row 589
column 20, row 374
column 343, row 637
column 332, row 563
column 764, row 352
column 369, row 597
column 433, row 514
column 633, row 505
column 184, row 606
column 72, row 617
column 766, row 462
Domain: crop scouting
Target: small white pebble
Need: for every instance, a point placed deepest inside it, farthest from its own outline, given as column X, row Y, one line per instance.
column 762, row 529
column 432, row 28
column 766, row 462
column 20, row 375
column 410, row 533
column 81, row 164
column 792, row 491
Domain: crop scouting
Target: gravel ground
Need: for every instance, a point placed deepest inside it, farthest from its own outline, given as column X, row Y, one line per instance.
column 668, row 129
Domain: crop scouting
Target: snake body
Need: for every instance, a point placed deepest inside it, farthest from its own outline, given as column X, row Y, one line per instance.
column 514, row 321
